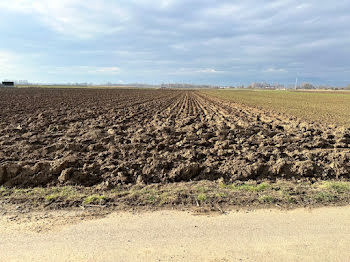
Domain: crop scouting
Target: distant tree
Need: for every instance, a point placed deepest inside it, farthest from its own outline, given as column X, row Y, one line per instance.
column 324, row 87
column 347, row 87
column 307, row 86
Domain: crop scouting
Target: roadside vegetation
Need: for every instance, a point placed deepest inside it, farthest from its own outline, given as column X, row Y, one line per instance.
column 214, row 196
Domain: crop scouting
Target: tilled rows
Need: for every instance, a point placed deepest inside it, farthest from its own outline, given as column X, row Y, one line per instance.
column 111, row 137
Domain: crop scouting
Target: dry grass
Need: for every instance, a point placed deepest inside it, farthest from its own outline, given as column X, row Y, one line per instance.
column 209, row 194
column 326, row 107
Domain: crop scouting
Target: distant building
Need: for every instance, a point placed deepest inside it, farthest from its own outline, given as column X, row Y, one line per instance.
column 6, row 83
column 21, row 82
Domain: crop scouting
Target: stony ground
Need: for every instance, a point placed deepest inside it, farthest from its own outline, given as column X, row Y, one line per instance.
column 117, row 137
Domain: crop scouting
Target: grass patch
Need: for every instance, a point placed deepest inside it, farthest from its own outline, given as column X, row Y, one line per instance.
column 339, row 187
column 206, row 193
column 95, row 199
column 202, row 197
column 2, row 189
column 202, row 189
column 164, row 198
column 151, row 198
column 267, row 199
column 247, row 187
column 324, row 197
column 51, row 197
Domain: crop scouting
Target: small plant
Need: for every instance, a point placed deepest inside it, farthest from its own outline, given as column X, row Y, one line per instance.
column 222, row 185
column 4, row 191
column 151, row 198
column 221, row 195
column 202, row 197
column 339, row 187
column 250, row 187
column 52, row 197
column 262, row 186
column 202, row 189
column 324, row 197
column 267, row 199
column 291, row 200
column 164, row 198
column 94, row 199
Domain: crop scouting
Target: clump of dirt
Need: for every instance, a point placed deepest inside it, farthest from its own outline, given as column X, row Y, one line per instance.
column 119, row 137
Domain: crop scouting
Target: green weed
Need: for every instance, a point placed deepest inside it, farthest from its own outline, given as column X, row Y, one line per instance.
column 94, row 199
column 339, row 187
column 202, row 197
column 324, row 197
column 267, row 199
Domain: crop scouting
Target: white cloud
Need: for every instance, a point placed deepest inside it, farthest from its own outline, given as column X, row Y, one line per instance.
column 280, row 4
column 209, row 71
column 274, row 70
column 223, row 10
column 250, row 39
column 194, row 71
column 180, row 46
column 6, row 58
column 15, row 65
column 107, row 70
column 8, row 62
column 159, row 4
column 79, row 18
column 166, row 3
column 82, row 70
column 303, row 6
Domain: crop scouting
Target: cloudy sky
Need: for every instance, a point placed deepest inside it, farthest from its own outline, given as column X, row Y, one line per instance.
column 193, row 41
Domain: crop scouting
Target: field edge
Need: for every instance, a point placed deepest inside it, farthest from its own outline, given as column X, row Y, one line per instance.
column 203, row 195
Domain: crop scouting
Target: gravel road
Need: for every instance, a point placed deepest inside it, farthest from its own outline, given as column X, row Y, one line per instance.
column 263, row 235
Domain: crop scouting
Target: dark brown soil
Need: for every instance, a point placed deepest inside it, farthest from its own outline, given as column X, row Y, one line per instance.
column 117, row 137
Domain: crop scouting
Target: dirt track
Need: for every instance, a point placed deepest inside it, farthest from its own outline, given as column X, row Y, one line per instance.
column 88, row 137
column 263, row 235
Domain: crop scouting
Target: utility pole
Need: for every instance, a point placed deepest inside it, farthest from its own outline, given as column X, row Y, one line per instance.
column 296, row 83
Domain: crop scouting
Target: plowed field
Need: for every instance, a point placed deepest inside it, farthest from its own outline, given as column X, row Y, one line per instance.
column 88, row 137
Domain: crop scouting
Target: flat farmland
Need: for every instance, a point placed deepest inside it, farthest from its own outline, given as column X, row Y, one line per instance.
column 327, row 107
column 162, row 147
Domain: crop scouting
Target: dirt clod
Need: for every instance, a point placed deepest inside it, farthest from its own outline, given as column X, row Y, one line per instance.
column 88, row 137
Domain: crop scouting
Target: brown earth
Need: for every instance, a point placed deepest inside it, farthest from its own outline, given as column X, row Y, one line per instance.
column 116, row 137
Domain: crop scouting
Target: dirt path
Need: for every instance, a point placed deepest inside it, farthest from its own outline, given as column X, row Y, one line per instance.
column 263, row 235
